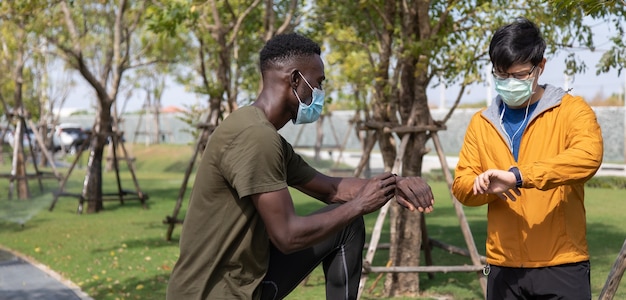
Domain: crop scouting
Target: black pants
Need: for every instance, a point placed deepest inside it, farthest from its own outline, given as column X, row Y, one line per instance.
column 569, row 281
column 342, row 258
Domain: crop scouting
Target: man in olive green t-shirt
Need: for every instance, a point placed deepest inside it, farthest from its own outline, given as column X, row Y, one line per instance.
column 241, row 238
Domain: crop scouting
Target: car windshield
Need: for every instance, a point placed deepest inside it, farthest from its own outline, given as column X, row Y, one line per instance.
column 72, row 130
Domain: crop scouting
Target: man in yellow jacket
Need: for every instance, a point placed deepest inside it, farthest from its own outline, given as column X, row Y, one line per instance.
column 528, row 156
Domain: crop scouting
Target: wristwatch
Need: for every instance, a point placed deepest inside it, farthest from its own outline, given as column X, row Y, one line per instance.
column 518, row 176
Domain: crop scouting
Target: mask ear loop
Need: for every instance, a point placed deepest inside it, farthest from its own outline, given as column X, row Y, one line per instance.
column 509, row 138
column 306, row 81
column 294, row 85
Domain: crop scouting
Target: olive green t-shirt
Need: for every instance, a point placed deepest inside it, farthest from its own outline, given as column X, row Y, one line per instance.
column 224, row 247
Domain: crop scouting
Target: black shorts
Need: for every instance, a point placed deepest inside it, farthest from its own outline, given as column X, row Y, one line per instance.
column 568, row 281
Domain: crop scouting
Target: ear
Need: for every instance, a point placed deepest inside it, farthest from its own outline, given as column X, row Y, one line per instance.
column 294, row 79
column 542, row 65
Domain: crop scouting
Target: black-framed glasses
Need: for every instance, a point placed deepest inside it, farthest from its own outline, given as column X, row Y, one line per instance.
column 517, row 75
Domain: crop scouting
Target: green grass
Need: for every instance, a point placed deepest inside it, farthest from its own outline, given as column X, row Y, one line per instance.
column 121, row 253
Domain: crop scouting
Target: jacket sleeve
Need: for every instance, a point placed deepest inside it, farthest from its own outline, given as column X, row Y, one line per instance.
column 469, row 166
column 582, row 155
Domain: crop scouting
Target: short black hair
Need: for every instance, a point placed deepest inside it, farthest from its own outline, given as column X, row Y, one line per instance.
column 284, row 47
column 517, row 43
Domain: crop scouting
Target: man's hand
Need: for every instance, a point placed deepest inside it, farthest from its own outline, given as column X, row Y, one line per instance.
column 499, row 182
column 378, row 191
column 414, row 193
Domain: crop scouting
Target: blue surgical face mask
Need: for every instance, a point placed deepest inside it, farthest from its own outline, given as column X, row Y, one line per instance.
column 309, row 113
column 514, row 92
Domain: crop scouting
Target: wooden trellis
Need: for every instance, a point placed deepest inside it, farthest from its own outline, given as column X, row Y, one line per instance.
column 37, row 145
column 151, row 113
column 477, row 261
column 615, row 276
column 319, row 141
column 116, row 140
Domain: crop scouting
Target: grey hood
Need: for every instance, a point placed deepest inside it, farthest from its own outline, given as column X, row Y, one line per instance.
column 552, row 97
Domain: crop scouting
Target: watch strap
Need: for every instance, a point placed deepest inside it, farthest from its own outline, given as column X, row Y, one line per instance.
column 518, row 176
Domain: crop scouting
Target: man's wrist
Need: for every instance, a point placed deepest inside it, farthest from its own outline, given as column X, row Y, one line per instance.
column 518, row 176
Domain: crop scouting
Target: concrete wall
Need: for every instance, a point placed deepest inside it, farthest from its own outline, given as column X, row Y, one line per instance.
column 611, row 120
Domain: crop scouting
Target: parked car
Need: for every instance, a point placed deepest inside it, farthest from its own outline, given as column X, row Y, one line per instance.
column 68, row 137
column 9, row 137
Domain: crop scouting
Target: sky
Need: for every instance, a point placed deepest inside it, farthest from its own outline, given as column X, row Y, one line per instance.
column 587, row 85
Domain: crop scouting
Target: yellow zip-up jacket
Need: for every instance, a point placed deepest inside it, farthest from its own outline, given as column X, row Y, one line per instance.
column 560, row 149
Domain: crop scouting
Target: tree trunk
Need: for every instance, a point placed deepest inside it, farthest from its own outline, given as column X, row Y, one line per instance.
column 92, row 187
column 47, row 143
column 157, row 122
column 406, row 239
column 406, row 231
column 19, row 162
column 19, row 159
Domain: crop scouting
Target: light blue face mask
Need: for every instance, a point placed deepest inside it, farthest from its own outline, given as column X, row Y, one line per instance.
column 309, row 113
column 514, row 92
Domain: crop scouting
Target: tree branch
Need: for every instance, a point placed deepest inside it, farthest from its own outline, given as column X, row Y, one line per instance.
column 71, row 27
column 151, row 62
column 287, row 21
column 240, row 19
column 216, row 17
column 268, row 21
column 442, row 18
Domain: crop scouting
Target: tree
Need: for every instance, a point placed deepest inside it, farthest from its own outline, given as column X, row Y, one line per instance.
column 17, row 22
column 409, row 45
column 101, row 40
column 225, row 37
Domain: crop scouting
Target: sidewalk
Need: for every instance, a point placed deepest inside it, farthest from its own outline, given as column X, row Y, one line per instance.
column 24, row 279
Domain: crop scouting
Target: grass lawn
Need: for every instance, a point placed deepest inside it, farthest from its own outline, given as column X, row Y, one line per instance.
column 121, row 253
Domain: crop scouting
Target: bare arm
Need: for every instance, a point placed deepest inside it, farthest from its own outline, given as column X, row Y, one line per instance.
column 412, row 193
column 290, row 232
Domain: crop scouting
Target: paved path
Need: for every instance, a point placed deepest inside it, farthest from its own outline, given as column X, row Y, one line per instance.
column 24, row 279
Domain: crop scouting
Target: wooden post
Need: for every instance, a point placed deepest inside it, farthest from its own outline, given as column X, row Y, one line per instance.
column 172, row 220
column 116, row 140
column 382, row 213
column 397, row 169
column 612, row 282
column 57, row 194
column 467, row 233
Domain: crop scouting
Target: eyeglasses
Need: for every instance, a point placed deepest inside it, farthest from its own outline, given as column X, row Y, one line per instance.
column 517, row 75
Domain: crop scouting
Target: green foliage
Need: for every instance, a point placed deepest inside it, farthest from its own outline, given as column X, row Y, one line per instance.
column 607, row 182
column 221, row 43
column 170, row 16
column 453, row 49
column 610, row 12
column 19, row 49
column 589, row 7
